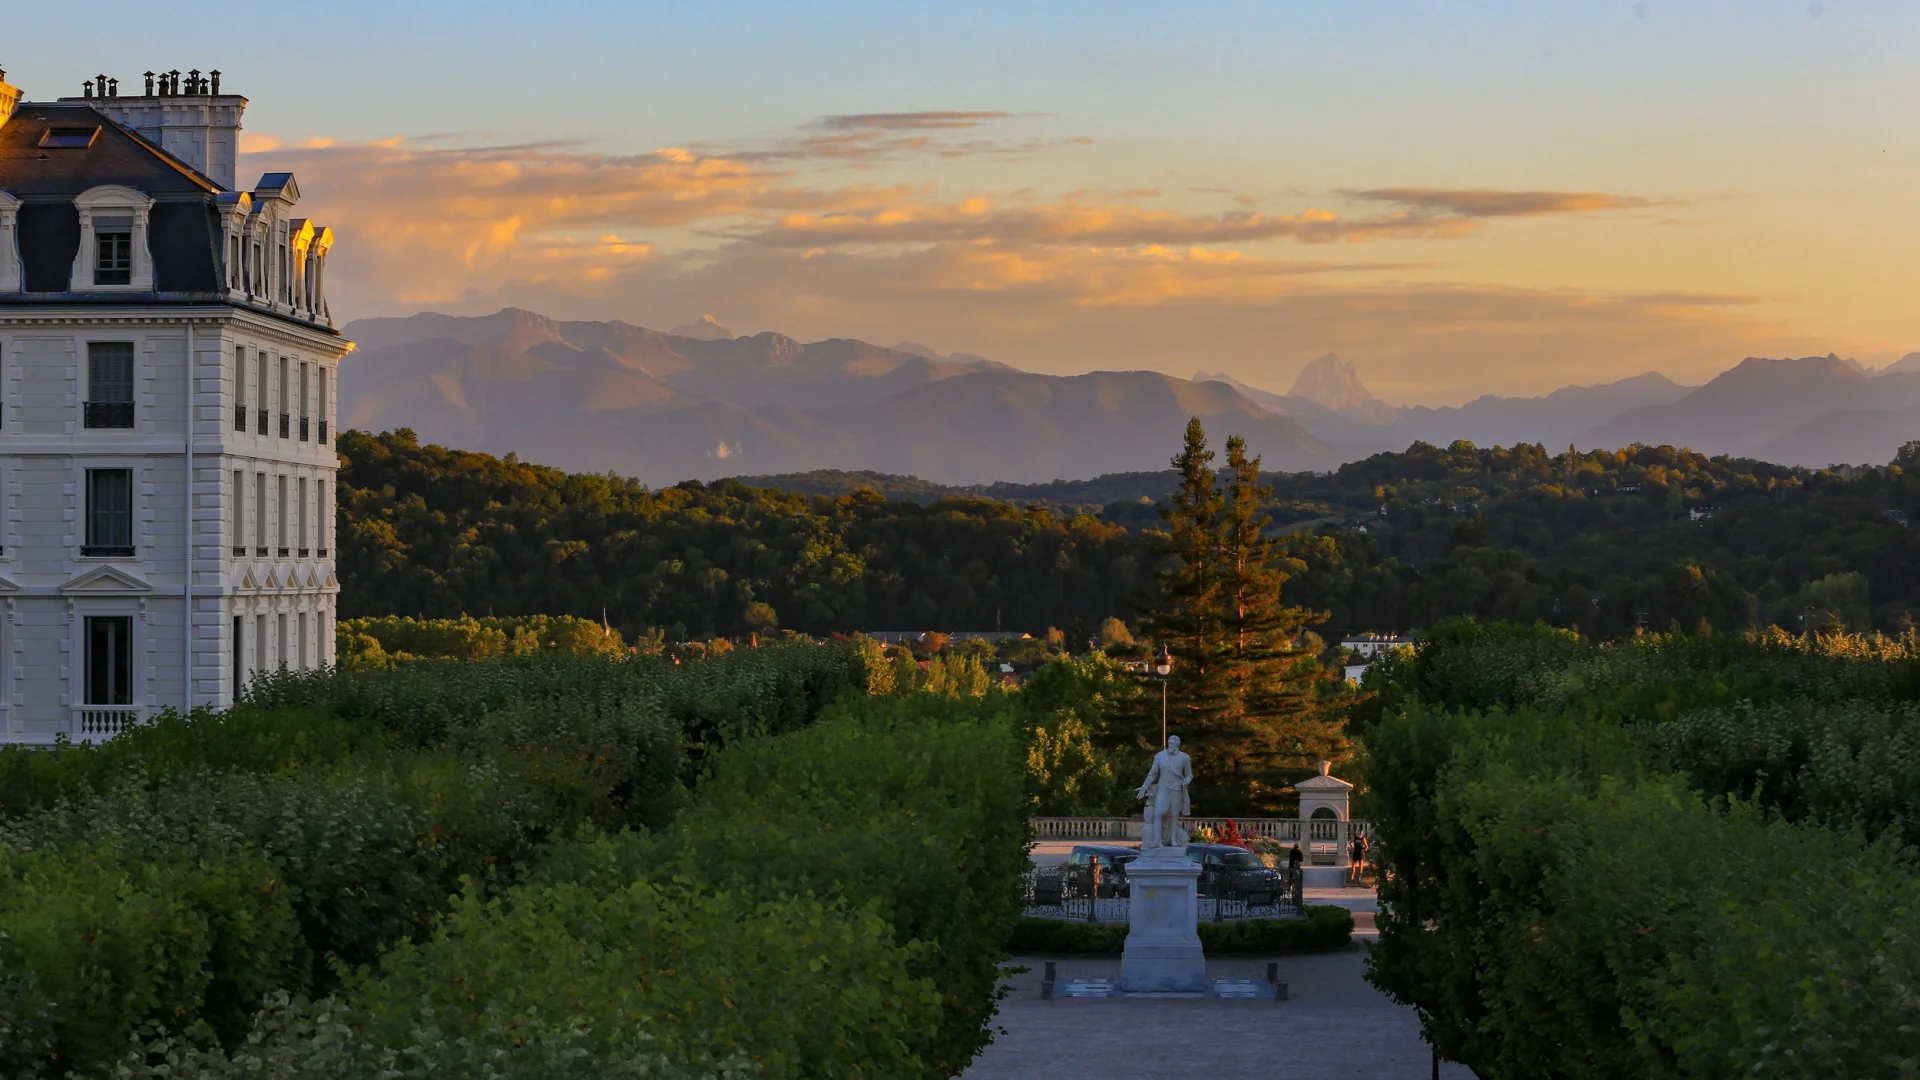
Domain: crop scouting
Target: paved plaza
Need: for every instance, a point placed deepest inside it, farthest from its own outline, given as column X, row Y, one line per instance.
column 1334, row 1025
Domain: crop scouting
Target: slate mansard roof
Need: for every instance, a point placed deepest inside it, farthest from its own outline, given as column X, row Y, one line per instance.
column 185, row 233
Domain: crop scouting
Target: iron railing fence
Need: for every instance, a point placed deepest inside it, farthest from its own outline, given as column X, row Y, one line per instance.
column 1072, row 893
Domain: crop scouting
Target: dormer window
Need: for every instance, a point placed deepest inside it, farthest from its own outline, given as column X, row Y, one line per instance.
column 113, row 242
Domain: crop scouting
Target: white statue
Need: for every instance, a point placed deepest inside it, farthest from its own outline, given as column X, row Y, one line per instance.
column 1165, row 793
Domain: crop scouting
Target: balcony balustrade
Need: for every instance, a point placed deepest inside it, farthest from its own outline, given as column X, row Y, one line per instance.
column 109, row 414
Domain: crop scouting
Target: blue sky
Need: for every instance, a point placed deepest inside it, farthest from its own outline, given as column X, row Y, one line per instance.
column 1068, row 186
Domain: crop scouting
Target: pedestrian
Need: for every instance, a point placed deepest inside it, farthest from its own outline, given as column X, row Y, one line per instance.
column 1294, row 858
column 1366, row 858
column 1356, row 859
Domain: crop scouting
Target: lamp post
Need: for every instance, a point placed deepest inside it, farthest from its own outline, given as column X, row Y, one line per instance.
column 1163, row 666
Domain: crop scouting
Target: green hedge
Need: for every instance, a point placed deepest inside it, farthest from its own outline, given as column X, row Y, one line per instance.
column 359, row 802
column 834, row 905
column 1325, row 927
column 1559, row 902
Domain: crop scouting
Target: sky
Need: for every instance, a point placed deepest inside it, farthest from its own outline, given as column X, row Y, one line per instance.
column 1461, row 198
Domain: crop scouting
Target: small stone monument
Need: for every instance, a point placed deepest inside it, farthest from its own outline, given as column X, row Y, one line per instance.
column 1324, row 802
column 1163, row 951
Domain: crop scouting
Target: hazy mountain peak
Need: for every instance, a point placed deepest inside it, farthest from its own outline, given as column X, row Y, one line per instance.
column 705, row 328
column 914, row 348
column 1909, row 362
column 1335, row 384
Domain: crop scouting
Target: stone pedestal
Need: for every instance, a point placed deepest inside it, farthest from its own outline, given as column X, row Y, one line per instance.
column 1163, row 909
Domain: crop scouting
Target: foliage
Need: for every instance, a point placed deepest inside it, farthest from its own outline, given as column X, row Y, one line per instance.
column 1602, row 542
column 1065, row 708
column 433, row 532
column 179, row 873
column 834, row 905
column 1558, row 901
column 380, row 641
column 1246, row 686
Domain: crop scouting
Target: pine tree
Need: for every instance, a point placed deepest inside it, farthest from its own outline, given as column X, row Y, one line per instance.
column 1243, row 689
column 1275, row 726
column 1185, row 617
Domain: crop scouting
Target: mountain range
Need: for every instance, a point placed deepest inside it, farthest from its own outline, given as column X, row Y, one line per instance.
column 703, row 403
column 613, row 396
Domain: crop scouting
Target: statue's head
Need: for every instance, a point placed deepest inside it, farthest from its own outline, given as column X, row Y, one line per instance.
column 1173, row 742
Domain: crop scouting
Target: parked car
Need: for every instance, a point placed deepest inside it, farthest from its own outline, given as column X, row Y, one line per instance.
column 1112, row 859
column 1236, row 873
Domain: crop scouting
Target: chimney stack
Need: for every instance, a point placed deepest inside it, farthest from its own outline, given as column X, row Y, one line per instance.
column 195, row 122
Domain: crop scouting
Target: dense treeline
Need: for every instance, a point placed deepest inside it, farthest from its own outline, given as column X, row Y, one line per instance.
column 1601, row 542
column 430, row 531
column 543, row 865
column 1679, row 856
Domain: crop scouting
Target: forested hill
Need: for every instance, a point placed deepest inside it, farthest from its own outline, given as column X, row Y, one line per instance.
column 1601, row 541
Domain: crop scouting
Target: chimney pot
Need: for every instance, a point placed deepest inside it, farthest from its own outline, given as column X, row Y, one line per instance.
column 216, row 81
column 149, row 84
column 87, row 88
column 113, row 87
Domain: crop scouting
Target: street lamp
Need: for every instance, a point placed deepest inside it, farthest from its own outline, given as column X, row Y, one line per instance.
column 1163, row 666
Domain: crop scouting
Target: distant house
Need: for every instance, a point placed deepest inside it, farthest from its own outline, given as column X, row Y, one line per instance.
column 1371, row 645
column 1701, row 513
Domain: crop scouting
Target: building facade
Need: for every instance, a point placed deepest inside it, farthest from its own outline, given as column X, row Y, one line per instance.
column 167, row 386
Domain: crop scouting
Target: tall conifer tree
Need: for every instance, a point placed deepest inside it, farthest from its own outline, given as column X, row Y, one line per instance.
column 1243, row 691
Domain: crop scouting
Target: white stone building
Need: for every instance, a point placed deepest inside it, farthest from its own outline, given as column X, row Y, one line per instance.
column 167, row 383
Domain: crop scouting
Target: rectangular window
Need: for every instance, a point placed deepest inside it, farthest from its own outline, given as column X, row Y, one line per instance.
column 260, row 389
column 109, row 384
column 302, row 543
column 281, row 656
column 109, row 513
column 114, row 265
column 286, row 398
column 239, row 388
column 300, row 640
column 280, row 504
column 239, row 655
column 324, row 373
column 259, row 643
column 239, row 512
column 323, row 516
column 260, row 515
column 109, row 659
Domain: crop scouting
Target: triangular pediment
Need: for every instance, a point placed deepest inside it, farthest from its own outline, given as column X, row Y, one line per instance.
column 7, row 587
column 313, row 579
column 272, row 581
column 110, row 580
column 246, row 579
column 331, row 583
column 1322, row 783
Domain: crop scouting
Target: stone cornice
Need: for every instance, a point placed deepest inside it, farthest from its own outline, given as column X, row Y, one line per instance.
column 264, row 324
